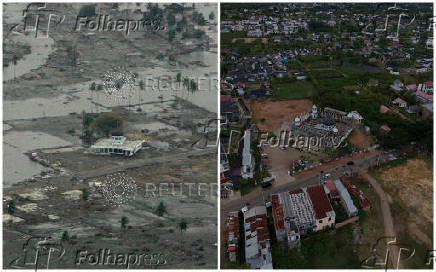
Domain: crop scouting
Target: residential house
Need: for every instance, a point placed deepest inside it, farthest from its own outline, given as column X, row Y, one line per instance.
column 426, row 111
column 399, row 102
column 384, row 109
column 385, row 128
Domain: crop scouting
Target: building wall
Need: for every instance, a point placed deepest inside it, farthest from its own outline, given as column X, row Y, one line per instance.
column 324, row 223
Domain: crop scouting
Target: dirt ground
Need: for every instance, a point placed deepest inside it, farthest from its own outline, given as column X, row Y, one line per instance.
column 359, row 139
column 95, row 224
column 279, row 162
column 277, row 112
column 250, row 40
column 413, row 184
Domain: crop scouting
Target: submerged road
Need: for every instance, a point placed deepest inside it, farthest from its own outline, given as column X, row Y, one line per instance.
column 144, row 162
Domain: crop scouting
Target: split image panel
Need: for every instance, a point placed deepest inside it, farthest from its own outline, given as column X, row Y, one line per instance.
column 106, row 163
column 326, row 135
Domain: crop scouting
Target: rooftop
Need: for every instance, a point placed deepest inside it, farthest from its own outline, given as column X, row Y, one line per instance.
column 320, row 202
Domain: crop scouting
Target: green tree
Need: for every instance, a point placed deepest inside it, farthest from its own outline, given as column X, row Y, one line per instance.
column 15, row 61
column 171, row 35
column 124, row 222
column 65, row 236
column 171, row 19
column 85, row 194
column 141, row 84
column 11, row 207
column 87, row 11
column 161, row 209
column 183, row 226
column 106, row 123
column 92, row 87
column 212, row 16
column 179, row 77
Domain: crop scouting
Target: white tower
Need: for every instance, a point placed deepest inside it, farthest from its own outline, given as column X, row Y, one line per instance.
column 314, row 112
column 297, row 122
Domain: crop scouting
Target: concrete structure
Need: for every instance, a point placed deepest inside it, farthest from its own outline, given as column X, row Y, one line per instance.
column 117, row 145
column 354, row 115
column 257, row 240
column 314, row 112
column 324, row 213
column 346, row 200
column 284, row 221
column 247, row 157
column 301, row 210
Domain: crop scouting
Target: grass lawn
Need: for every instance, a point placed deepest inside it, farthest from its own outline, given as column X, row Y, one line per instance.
column 324, row 250
column 371, row 224
column 287, row 89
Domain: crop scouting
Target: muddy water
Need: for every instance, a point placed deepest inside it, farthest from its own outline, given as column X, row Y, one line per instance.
column 40, row 47
column 77, row 97
column 17, row 166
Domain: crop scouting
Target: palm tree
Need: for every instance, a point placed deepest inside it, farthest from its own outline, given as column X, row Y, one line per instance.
column 124, row 221
column 14, row 61
column 182, row 226
column 161, row 209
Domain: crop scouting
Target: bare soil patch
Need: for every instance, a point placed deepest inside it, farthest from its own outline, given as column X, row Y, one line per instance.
column 274, row 113
column 413, row 184
column 250, row 40
column 359, row 139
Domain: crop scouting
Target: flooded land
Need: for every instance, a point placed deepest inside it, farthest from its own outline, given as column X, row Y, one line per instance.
column 58, row 194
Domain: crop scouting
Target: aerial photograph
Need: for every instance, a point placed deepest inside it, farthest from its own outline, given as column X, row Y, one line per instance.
column 110, row 126
column 326, row 135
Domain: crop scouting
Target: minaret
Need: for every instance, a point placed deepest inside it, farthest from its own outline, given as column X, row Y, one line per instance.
column 314, row 112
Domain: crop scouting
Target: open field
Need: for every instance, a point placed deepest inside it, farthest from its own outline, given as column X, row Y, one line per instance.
column 285, row 89
column 275, row 113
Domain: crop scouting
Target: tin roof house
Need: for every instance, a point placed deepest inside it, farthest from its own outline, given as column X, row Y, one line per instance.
column 285, row 225
column 257, row 240
column 346, row 200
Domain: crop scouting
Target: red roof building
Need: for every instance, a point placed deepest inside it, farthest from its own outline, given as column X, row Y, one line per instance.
column 324, row 214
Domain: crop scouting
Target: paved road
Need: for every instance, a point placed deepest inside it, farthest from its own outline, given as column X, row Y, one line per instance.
column 387, row 218
column 259, row 195
column 144, row 162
